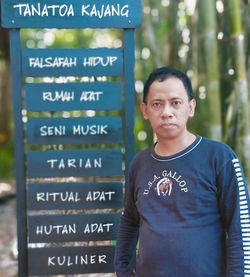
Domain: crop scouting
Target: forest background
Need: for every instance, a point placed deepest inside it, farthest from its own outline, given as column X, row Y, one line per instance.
column 207, row 39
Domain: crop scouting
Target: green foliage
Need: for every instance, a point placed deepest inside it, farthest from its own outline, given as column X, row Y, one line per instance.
column 7, row 160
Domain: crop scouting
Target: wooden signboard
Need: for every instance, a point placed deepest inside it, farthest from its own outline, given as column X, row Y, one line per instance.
column 72, row 62
column 73, row 96
column 71, row 14
column 67, row 163
column 88, row 130
column 75, row 196
column 91, row 148
column 71, row 260
column 73, row 227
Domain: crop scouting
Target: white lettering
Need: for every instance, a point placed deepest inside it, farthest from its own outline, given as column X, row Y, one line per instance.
column 105, row 10
column 40, row 196
column 90, row 130
column 57, row 62
column 65, row 196
column 97, row 228
column 99, row 195
column 102, row 61
column 64, row 96
column 44, row 10
column 56, row 229
column 90, row 96
column 77, row 259
column 51, row 261
column 52, row 130
column 75, row 163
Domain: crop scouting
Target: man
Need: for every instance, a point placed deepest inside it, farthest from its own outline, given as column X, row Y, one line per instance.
column 187, row 205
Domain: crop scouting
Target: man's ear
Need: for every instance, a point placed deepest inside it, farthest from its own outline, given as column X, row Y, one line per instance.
column 143, row 108
column 192, row 105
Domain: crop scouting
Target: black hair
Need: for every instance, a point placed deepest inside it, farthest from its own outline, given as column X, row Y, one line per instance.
column 163, row 73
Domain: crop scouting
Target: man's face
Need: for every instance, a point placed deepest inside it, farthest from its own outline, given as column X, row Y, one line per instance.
column 168, row 108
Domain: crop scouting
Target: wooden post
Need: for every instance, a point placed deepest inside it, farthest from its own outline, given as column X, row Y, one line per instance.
column 15, row 55
column 129, row 86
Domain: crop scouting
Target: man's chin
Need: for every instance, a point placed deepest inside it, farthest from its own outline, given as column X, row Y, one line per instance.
column 170, row 135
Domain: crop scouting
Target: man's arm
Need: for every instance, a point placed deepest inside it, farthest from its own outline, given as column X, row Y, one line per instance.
column 127, row 237
column 234, row 207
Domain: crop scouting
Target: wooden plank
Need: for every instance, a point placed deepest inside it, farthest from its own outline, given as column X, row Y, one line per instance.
column 73, row 227
column 88, row 130
column 71, row 260
column 73, row 96
column 72, row 62
column 78, row 163
column 74, row 196
column 71, row 14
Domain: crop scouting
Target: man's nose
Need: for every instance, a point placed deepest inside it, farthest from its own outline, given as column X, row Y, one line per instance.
column 167, row 111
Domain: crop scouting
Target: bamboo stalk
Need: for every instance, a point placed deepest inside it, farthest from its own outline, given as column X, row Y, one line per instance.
column 209, row 59
column 240, row 96
column 150, row 33
column 173, row 40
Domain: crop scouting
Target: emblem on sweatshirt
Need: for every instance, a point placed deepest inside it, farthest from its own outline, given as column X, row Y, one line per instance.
column 164, row 183
column 164, row 187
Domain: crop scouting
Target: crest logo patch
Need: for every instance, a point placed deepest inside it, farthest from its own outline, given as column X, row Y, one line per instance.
column 164, row 187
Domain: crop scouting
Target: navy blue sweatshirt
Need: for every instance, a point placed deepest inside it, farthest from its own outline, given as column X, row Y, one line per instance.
column 188, row 215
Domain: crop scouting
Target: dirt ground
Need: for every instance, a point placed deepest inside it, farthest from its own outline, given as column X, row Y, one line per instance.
column 8, row 251
column 8, row 262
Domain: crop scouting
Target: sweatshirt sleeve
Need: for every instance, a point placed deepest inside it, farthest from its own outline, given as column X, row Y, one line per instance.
column 127, row 234
column 234, row 208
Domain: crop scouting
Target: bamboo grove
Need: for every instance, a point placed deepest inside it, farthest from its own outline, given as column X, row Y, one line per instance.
column 210, row 41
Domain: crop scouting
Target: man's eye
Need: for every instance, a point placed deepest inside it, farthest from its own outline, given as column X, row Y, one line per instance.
column 156, row 105
column 176, row 103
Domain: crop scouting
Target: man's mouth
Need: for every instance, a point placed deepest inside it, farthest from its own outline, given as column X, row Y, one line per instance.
column 168, row 125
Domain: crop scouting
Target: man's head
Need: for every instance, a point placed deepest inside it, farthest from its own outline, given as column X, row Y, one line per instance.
column 163, row 73
column 168, row 103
